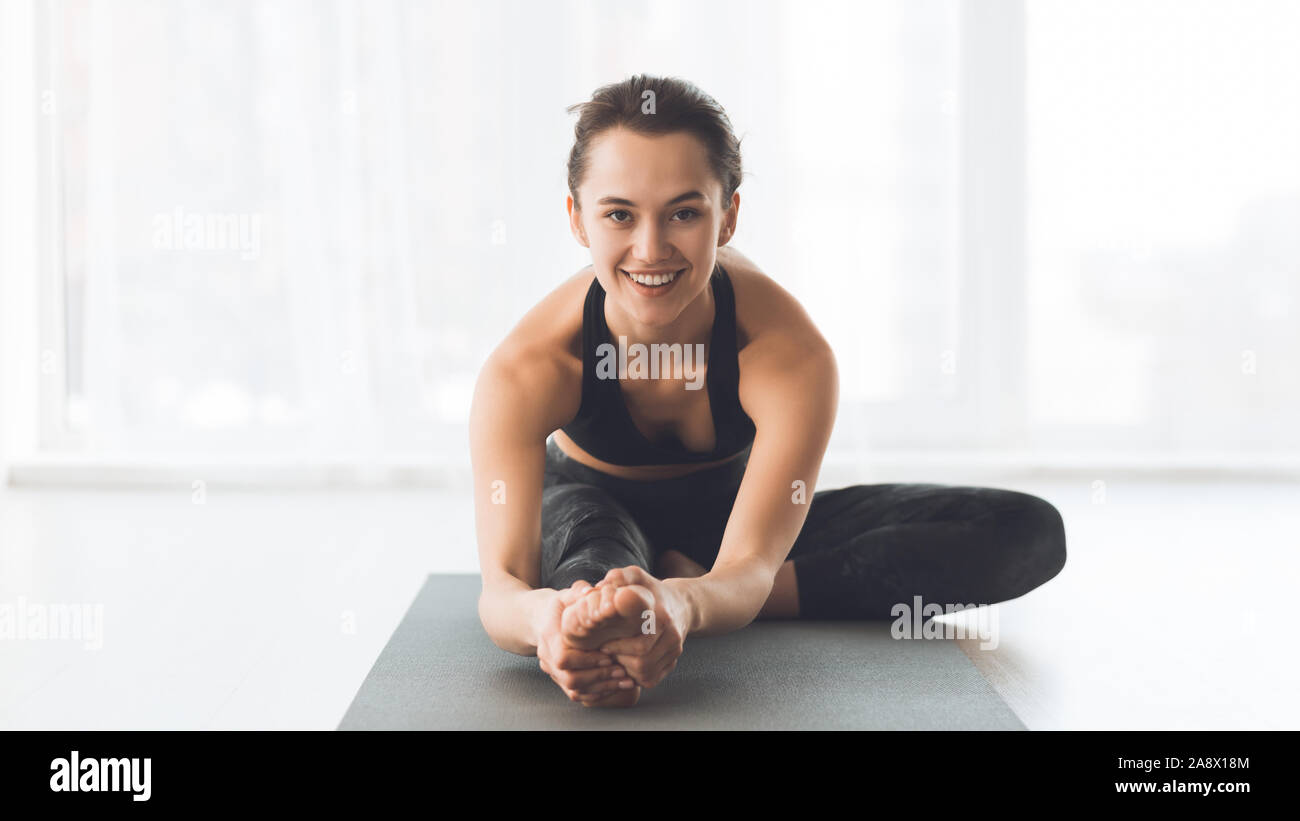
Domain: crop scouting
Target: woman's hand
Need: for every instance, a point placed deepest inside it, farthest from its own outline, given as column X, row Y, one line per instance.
column 650, row 657
column 585, row 676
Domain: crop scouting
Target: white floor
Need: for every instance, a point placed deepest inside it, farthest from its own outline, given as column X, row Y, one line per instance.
column 261, row 609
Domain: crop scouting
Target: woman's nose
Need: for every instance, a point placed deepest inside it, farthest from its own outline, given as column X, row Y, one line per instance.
column 649, row 247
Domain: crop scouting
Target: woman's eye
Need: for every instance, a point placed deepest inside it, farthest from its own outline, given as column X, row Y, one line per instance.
column 690, row 213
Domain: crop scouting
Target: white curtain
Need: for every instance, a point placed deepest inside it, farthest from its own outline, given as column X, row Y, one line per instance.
column 1164, row 225
column 297, row 228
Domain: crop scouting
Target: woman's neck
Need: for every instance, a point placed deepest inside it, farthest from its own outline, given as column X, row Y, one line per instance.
column 693, row 326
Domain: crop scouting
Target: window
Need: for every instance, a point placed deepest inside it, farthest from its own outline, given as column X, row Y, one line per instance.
column 294, row 230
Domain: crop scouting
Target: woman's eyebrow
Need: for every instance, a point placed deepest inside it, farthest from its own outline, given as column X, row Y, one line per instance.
column 689, row 195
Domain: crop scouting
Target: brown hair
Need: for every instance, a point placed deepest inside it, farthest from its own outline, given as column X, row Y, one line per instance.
column 674, row 106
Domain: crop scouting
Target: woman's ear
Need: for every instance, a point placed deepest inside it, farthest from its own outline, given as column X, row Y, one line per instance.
column 575, row 222
column 729, row 216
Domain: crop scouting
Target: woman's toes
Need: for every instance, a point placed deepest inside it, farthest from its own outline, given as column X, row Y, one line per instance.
column 633, row 600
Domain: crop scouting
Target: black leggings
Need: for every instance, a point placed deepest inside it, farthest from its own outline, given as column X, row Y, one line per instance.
column 862, row 549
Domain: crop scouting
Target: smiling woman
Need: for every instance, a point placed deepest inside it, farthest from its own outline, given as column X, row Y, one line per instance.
column 616, row 516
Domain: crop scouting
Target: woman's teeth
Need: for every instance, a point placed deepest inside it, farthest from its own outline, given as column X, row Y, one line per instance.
column 653, row 280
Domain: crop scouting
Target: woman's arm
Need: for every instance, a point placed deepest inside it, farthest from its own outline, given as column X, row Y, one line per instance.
column 789, row 386
column 508, row 454
column 530, row 386
column 518, row 400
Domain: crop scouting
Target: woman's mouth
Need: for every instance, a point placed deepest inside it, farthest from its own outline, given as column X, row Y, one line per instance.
column 653, row 284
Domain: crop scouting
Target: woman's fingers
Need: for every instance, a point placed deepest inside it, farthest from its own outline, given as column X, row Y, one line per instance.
column 586, row 684
column 652, row 665
column 656, row 671
column 571, row 658
column 581, row 679
column 584, row 680
column 646, row 670
column 616, row 681
column 630, row 645
column 664, row 670
column 601, row 689
column 576, row 671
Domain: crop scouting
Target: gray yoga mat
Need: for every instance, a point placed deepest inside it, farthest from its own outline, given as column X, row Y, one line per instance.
column 440, row 671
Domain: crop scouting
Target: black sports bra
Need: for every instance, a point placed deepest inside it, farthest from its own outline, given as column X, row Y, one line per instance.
column 603, row 427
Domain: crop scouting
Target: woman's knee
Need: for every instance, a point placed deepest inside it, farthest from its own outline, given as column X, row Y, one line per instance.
column 585, row 512
column 1039, row 531
column 586, row 530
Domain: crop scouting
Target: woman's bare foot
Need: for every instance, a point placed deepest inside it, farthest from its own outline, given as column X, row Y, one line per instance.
column 676, row 565
column 605, row 613
column 628, row 692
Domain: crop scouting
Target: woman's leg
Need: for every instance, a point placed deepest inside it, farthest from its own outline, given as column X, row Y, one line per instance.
column 586, row 532
column 865, row 548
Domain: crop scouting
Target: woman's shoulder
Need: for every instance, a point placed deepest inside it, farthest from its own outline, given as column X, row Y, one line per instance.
column 782, row 354
column 766, row 312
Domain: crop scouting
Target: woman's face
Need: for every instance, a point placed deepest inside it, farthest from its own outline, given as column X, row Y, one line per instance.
column 651, row 205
